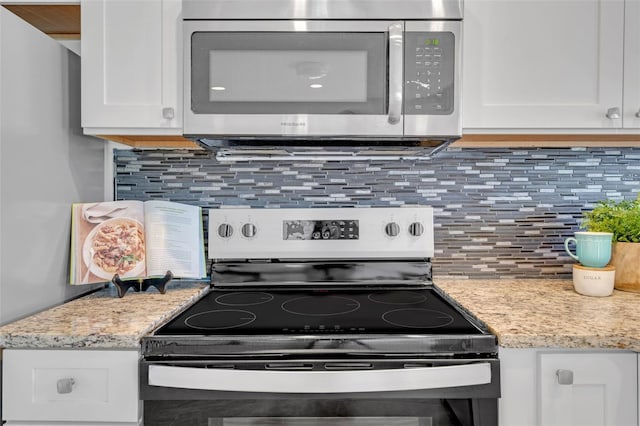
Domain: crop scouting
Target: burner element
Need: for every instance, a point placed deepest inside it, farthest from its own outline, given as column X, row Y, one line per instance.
column 320, row 305
column 220, row 320
column 244, row 299
column 417, row 318
column 397, row 298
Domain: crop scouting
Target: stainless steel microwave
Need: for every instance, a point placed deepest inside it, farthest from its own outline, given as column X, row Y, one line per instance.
column 330, row 69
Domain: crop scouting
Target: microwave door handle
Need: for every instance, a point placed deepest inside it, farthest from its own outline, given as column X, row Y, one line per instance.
column 449, row 376
column 395, row 72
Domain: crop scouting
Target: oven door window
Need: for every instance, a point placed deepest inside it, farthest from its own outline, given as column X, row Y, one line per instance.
column 333, row 421
column 304, row 411
column 289, row 73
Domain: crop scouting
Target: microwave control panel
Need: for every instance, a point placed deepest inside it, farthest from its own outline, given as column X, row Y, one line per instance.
column 429, row 73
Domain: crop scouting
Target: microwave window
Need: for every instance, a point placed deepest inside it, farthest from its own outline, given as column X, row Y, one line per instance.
column 288, row 73
column 287, row 76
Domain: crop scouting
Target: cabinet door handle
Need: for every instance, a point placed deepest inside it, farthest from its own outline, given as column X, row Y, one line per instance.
column 565, row 377
column 168, row 113
column 65, row 385
column 638, row 114
column 613, row 113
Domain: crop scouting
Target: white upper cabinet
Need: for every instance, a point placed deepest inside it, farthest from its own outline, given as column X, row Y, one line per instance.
column 546, row 64
column 131, row 67
column 631, row 96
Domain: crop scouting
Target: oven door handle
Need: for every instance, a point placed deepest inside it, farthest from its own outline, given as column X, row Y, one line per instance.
column 320, row 381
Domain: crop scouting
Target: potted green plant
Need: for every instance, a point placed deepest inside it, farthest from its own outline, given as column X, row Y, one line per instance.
column 622, row 219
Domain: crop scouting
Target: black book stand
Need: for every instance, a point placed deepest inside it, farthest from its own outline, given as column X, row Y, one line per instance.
column 142, row 284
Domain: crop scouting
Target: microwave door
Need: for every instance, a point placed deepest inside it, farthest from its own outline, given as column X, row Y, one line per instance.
column 294, row 78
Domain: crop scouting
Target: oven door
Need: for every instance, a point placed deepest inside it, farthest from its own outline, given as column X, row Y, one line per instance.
column 313, row 393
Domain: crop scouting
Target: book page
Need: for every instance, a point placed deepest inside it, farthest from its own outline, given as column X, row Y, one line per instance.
column 107, row 238
column 174, row 239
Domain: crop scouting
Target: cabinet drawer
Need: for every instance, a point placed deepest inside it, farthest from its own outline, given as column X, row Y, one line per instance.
column 70, row 385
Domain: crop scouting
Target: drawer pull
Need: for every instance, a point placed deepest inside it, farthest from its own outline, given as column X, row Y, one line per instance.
column 565, row 377
column 65, row 385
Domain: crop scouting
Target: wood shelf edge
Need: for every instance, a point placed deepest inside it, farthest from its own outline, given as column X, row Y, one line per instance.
column 545, row 141
column 152, row 141
column 467, row 141
column 60, row 21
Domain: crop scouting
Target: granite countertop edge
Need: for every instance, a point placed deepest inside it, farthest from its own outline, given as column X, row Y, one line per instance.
column 548, row 313
column 101, row 320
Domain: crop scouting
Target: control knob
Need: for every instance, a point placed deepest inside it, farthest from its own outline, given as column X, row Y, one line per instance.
column 248, row 230
column 392, row 229
column 225, row 230
column 416, row 229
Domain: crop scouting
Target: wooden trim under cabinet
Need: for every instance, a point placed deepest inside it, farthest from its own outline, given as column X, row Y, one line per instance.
column 467, row 141
column 60, row 21
column 547, row 141
column 152, row 141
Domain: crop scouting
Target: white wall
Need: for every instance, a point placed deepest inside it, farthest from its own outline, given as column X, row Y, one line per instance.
column 46, row 163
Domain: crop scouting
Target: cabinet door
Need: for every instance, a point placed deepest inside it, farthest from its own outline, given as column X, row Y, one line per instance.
column 603, row 389
column 542, row 63
column 131, row 66
column 70, row 386
column 631, row 118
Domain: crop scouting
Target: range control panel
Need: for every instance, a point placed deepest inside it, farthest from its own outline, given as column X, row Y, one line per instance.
column 429, row 73
column 315, row 233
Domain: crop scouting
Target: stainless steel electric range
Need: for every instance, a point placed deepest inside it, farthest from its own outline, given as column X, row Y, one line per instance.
column 321, row 316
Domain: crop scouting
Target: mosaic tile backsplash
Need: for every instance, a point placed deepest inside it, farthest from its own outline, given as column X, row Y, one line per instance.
column 499, row 213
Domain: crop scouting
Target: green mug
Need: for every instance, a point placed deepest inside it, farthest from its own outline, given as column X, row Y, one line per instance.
column 593, row 249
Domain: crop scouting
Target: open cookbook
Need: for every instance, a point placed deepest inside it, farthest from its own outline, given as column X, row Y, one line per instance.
column 135, row 239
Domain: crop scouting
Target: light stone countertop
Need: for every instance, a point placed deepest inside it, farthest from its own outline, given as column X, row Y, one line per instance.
column 102, row 319
column 522, row 313
column 549, row 313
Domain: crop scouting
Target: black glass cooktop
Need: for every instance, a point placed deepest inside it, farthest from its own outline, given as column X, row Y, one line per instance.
column 255, row 311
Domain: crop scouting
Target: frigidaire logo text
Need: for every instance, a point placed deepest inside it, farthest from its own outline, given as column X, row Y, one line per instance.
column 293, row 123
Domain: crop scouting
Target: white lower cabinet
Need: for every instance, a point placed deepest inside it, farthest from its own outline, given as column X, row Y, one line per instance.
column 70, row 387
column 565, row 388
